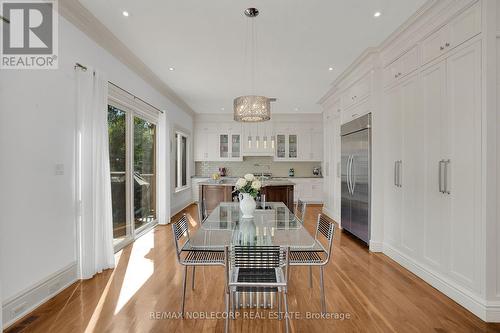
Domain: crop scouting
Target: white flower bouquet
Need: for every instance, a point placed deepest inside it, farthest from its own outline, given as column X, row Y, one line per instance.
column 248, row 184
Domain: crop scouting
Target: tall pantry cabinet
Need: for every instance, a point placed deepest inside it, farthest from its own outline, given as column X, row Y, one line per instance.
column 432, row 204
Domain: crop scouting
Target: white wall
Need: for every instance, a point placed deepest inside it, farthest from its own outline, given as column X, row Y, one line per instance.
column 183, row 198
column 37, row 124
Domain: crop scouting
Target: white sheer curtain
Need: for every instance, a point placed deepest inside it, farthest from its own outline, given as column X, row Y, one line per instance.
column 95, row 217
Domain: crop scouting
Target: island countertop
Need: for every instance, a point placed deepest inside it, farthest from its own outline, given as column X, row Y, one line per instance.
column 232, row 182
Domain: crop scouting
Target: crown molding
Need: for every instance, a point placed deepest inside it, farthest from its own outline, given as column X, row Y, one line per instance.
column 84, row 20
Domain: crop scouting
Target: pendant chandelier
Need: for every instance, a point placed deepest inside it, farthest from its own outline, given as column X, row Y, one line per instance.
column 252, row 108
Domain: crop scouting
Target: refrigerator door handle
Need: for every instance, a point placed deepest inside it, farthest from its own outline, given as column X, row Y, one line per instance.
column 353, row 180
column 349, row 174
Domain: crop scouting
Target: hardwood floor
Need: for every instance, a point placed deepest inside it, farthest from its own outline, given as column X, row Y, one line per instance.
column 377, row 294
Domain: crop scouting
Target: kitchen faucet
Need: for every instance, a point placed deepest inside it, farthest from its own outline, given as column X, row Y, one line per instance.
column 262, row 170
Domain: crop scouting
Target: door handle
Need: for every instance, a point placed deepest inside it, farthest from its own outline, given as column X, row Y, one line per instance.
column 400, row 165
column 396, row 173
column 349, row 168
column 446, row 164
column 349, row 174
column 440, row 179
column 353, row 180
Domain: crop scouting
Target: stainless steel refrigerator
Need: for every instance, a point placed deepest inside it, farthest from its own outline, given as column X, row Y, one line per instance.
column 356, row 177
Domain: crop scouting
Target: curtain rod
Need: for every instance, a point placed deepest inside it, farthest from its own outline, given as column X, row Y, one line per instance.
column 84, row 68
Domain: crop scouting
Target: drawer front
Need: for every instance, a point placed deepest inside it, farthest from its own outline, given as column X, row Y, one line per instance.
column 434, row 45
column 355, row 112
column 408, row 63
column 357, row 92
column 391, row 74
column 465, row 26
column 458, row 31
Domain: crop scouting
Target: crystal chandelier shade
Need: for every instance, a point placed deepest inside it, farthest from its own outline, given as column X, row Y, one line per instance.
column 252, row 108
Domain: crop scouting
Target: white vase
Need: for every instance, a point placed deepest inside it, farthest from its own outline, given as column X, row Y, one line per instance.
column 247, row 205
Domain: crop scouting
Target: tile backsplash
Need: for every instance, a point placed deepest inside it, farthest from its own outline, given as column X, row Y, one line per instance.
column 257, row 165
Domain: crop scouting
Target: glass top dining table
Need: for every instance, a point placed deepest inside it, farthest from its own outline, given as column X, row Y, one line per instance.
column 275, row 225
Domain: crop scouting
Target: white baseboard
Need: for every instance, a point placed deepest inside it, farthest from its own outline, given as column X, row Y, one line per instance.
column 176, row 211
column 26, row 301
column 492, row 312
column 330, row 214
column 489, row 312
column 376, row 246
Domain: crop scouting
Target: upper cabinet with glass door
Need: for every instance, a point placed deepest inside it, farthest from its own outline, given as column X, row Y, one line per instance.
column 287, row 143
column 230, row 145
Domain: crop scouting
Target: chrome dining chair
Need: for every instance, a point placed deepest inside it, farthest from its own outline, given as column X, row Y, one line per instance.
column 324, row 230
column 257, row 269
column 191, row 258
column 300, row 210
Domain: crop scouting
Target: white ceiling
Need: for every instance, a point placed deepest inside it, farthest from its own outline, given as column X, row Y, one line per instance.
column 298, row 40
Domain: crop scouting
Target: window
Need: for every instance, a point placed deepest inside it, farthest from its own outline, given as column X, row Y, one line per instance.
column 181, row 161
column 132, row 154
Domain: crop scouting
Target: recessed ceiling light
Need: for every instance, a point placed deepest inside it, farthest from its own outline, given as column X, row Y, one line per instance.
column 125, row 13
column 330, row 69
column 297, row 109
column 171, row 69
column 377, row 14
column 222, row 109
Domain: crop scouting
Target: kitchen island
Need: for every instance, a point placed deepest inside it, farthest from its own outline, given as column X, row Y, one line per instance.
column 212, row 193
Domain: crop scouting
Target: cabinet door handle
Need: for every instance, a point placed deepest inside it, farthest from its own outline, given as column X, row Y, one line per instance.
column 400, row 166
column 396, row 173
column 440, row 178
column 446, row 189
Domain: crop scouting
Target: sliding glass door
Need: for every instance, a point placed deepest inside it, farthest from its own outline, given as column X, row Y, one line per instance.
column 132, row 154
column 144, row 172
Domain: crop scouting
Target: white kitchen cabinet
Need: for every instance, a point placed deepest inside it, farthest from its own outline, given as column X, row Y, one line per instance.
column 435, row 221
column 195, row 188
column 403, row 175
column 432, row 191
column 459, row 30
column 229, row 147
column 410, row 165
column 206, row 142
column 463, row 167
column 357, row 92
column 311, row 144
column 331, row 184
column 287, row 146
column 309, row 190
column 355, row 111
column 451, row 104
column 392, row 155
column 400, row 68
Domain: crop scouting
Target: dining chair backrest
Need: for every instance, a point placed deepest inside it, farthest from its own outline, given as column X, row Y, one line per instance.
column 257, row 257
column 300, row 211
column 326, row 229
column 180, row 230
